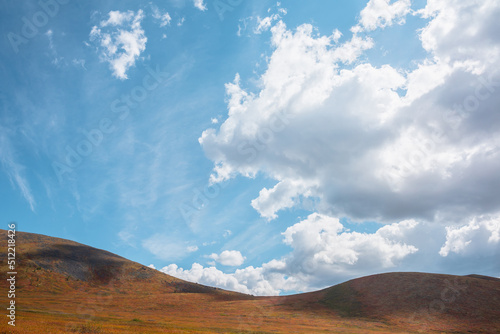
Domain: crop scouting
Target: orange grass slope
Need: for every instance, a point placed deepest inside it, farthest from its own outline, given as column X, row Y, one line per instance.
column 66, row 287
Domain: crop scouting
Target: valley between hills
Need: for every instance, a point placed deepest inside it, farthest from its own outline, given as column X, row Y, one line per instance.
column 66, row 287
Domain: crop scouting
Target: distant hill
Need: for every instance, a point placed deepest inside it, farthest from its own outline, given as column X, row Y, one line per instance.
column 471, row 299
column 54, row 259
column 67, row 287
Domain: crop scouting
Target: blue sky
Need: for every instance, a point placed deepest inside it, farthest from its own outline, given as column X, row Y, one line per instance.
column 265, row 147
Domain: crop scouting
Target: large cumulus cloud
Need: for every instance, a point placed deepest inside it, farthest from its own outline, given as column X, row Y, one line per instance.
column 372, row 142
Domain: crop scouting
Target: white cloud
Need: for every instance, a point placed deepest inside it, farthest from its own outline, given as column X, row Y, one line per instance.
column 164, row 18
column 117, row 18
column 372, row 142
column 122, row 45
column 478, row 233
column 229, row 258
column 463, row 32
column 127, row 237
column 49, row 35
column 283, row 195
column 382, row 13
column 255, row 283
column 200, row 5
column 192, row 249
column 152, row 266
column 56, row 59
column 323, row 252
column 250, row 280
column 205, row 244
column 321, row 243
column 79, row 63
column 336, row 35
column 458, row 239
column 263, row 24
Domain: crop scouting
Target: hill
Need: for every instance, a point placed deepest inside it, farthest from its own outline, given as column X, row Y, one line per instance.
column 63, row 286
column 437, row 301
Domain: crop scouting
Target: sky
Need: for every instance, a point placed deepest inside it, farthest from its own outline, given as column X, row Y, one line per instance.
column 258, row 146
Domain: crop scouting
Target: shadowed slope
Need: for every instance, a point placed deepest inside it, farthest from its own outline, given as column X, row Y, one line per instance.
column 419, row 297
column 43, row 258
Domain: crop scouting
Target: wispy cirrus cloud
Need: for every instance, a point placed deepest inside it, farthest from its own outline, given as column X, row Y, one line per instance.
column 168, row 247
column 14, row 169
